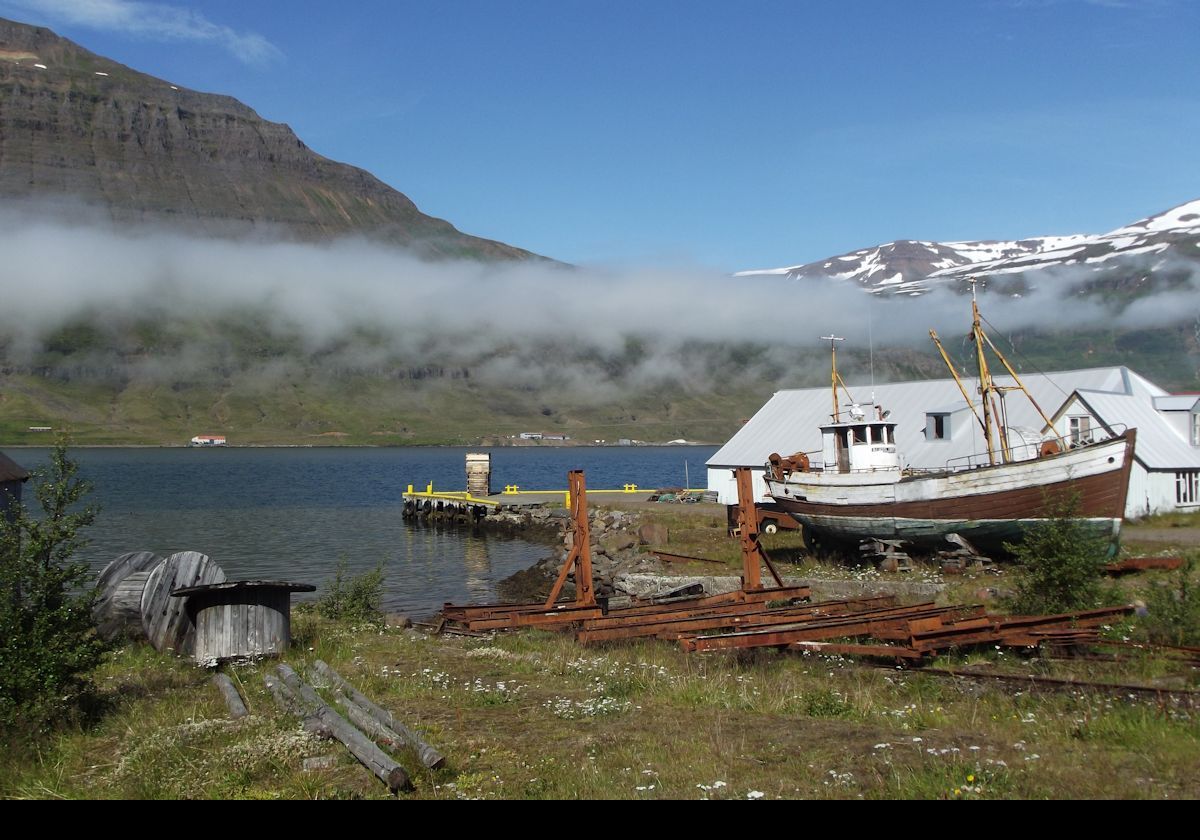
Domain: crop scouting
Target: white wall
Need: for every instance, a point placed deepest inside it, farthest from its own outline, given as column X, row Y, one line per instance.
column 1161, row 492
column 721, row 479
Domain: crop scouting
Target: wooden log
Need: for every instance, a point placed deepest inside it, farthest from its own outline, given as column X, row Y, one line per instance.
column 233, row 700
column 361, row 747
column 118, row 610
column 164, row 618
column 290, row 703
column 430, row 757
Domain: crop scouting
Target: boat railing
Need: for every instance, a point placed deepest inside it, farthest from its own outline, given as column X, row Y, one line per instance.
column 1096, row 434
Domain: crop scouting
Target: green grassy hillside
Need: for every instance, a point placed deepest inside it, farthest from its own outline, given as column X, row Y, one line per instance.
column 162, row 381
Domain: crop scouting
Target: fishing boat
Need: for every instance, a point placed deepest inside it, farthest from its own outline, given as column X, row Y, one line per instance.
column 857, row 487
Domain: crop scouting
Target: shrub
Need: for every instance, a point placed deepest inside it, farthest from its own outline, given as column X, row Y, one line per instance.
column 1062, row 562
column 1173, row 609
column 48, row 644
column 358, row 598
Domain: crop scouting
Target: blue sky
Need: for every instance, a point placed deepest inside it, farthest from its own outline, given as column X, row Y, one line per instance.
column 716, row 134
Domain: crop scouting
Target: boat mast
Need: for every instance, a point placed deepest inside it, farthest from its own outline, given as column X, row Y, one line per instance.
column 989, row 391
column 1021, row 387
column 836, row 378
column 986, row 387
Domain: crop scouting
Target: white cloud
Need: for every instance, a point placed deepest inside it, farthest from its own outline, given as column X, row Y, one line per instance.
column 152, row 20
column 355, row 304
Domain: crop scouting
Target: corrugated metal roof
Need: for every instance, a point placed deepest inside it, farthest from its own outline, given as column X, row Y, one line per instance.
column 10, row 470
column 1176, row 402
column 790, row 420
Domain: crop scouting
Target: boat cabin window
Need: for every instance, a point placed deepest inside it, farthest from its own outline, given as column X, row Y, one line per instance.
column 858, row 434
column 1080, row 430
column 937, row 426
column 879, row 434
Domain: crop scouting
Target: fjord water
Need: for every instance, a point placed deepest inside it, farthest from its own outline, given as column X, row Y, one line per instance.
column 292, row 513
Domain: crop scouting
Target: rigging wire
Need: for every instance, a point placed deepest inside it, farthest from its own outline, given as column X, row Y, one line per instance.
column 1027, row 360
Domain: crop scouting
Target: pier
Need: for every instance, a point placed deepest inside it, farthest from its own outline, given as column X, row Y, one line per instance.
column 464, row 506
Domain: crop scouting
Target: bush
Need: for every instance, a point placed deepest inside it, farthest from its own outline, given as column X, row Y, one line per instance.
column 1062, row 562
column 48, row 643
column 357, row 598
column 1173, row 609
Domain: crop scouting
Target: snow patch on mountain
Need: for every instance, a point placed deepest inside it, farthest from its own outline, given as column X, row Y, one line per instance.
column 913, row 267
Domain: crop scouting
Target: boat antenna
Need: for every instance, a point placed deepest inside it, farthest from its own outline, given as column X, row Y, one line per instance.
column 871, row 346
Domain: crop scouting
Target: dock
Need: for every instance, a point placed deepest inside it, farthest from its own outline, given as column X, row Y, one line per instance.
column 455, row 504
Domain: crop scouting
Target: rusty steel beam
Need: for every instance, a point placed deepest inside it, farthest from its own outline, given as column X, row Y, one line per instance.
column 564, row 615
column 668, row 557
column 871, row 622
column 468, row 611
column 672, row 628
column 1141, row 564
column 624, row 618
column 1185, row 696
column 1015, row 631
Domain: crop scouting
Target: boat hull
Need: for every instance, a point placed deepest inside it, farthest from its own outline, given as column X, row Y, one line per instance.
column 987, row 505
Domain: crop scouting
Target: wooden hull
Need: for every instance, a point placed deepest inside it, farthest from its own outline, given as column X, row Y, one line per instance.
column 986, row 505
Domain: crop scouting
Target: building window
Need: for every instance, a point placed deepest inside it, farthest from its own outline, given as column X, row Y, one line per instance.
column 1080, row 430
column 937, row 426
column 1187, row 487
column 1196, row 429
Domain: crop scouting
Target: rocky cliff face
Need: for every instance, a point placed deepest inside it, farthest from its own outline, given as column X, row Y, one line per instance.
column 77, row 128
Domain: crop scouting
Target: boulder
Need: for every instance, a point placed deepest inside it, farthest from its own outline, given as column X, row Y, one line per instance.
column 653, row 535
column 611, row 543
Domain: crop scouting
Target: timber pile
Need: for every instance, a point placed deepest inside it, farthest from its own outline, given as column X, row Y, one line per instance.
column 368, row 726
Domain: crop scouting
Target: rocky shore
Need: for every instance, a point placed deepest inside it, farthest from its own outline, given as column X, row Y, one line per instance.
column 618, row 543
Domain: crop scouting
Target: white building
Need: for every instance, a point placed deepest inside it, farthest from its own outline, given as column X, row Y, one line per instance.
column 935, row 428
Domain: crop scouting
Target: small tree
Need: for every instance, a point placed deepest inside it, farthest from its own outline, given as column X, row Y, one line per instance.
column 357, row 598
column 1062, row 562
column 48, row 644
column 1173, row 609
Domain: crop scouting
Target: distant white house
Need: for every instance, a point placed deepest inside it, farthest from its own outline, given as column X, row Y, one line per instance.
column 208, row 440
column 936, row 428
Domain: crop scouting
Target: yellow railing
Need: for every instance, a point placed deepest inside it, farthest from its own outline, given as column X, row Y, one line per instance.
column 509, row 490
column 447, row 495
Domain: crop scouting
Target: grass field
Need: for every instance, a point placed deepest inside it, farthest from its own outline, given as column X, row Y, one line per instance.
column 532, row 716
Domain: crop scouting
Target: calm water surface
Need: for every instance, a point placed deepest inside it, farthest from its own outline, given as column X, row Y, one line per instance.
column 290, row 514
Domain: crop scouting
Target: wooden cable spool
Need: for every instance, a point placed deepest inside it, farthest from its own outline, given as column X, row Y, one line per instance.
column 165, row 619
column 118, row 610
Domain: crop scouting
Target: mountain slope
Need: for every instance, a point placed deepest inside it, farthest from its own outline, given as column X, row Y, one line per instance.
column 77, row 127
column 1157, row 245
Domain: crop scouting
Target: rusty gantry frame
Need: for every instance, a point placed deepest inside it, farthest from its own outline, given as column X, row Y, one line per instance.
column 580, row 557
column 753, row 555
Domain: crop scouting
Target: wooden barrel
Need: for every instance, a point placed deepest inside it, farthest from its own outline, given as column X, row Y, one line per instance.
column 242, row 619
column 165, row 620
column 118, row 610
